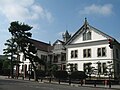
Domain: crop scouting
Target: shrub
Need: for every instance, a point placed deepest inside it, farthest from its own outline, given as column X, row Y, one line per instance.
column 78, row 75
column 61, row 74
column 40, row 73
column 6, row 72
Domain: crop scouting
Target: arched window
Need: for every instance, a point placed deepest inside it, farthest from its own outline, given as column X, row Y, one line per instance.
column 86, row 35
column 89, row 35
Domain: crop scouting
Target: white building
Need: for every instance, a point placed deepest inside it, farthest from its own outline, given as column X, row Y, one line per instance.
column 59, row 52
column 90, row 45
column 43, row 50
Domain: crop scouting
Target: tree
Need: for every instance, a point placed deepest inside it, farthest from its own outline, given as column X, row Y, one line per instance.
column 88, row 69
column 21, row 34
column 10, row 52
column 4, row 64
column 99, row 68
column 53, row 68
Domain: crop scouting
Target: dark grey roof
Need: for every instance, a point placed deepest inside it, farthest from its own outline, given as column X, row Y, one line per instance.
column 41, row 45
column 62, row 42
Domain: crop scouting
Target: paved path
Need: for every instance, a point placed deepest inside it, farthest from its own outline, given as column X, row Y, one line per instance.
column 115, row 87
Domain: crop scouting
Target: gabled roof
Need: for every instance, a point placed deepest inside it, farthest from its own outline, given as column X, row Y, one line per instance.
column 62, row 42
column 85, row 26
column 41, row 45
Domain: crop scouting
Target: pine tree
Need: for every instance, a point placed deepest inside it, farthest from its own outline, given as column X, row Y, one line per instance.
column 10, row 52
column 21, row 34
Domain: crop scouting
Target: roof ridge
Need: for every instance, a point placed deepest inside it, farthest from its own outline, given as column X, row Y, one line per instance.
column 86, row 25
column 39, row 41
column 95, row 29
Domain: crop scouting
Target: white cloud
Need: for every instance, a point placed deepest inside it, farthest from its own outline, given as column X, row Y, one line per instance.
column 98, row 9
column 24, row 10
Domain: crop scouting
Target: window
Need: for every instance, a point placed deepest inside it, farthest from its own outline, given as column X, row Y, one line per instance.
column 87, row 68
column 63, row 56
column 89, row 52
column 104, row 66
column 63, row 67
column 99, row 67
column 55, row 60
column 101, row 52
column 86, row 35
column 44, row 58
column 117, row 54
column 23, row 58
column 86, row 53
column 76, row 66
column 74, row 53
column 89, row 35
column 22, row 68
column 84, row 67
column 73, row 67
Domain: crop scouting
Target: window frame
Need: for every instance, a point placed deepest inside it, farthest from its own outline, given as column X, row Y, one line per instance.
column 101, row 52
column 87, row 53
column 87, row 35
column 74, row 53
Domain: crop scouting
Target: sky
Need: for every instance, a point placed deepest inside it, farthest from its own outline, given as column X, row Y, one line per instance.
column 51, row 18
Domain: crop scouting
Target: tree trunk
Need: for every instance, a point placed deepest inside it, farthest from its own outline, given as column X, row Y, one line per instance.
column 33, row 65
column 35, row 71
column 11, row 68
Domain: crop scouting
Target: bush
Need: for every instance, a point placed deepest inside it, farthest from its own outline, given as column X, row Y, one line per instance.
column 6, row 72
column 78, row 75
column 40, row 73
column 61, row 74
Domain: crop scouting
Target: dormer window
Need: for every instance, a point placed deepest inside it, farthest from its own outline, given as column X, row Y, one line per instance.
column 87, row 35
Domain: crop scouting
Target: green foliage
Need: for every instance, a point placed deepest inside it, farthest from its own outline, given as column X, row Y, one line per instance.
column 6, row 64
column 53, row 68
column 61, row 74
column 40, row 73
column 78, row 75
column 40, row 61
column 21, row 34
column 16, row 27
column 11, row 47
column 6, row 72
column 88, row 69
column 10, row 52
column 1, row 64
column 32, row 48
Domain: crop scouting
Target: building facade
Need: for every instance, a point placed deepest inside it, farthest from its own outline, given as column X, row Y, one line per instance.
column 88, row 50
column 43, row 50
column 59, row 51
